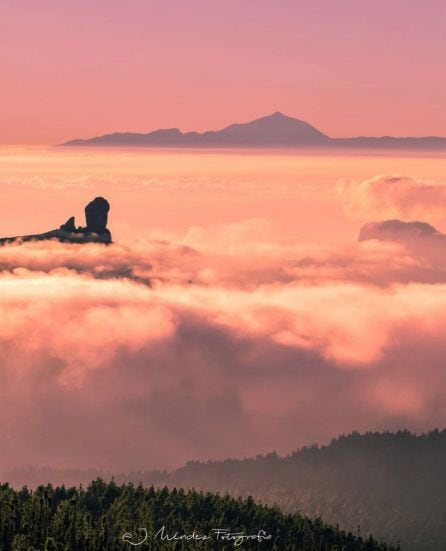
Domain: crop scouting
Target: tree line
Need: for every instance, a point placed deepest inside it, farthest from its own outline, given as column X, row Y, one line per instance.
column 108, row 517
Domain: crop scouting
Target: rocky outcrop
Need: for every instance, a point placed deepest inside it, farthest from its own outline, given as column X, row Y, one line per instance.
column 397, row 230
column 69, row 226
column 418, row 236
column 96, row 215
column 96, row 231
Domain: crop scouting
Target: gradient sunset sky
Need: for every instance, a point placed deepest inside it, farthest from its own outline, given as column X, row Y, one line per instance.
column 76, row 69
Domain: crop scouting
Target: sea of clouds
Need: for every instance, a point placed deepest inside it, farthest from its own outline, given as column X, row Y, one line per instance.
column 223, row 341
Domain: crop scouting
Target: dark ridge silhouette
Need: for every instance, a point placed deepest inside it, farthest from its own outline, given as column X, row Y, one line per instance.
column 399, row 231
column 96, row 231
column 276, row 130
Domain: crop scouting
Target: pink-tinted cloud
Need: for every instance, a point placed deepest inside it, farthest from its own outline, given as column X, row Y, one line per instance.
column 228, row 342
column 393, row 196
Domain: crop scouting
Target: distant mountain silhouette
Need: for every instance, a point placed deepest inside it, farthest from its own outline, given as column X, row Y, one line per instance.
column 276, row 130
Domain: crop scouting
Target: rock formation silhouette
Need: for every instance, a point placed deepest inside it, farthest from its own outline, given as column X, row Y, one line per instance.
column 96, row 231
column 399, row 231
column 96, row 215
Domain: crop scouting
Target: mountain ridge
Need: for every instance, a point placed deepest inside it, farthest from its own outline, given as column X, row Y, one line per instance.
column 275, row 130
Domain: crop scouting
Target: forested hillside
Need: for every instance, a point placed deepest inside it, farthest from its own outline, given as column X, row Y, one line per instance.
column 392, row 485
column 108, row 517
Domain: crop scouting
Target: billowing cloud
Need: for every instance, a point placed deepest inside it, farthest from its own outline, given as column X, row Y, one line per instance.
column 227, row 342
column 394, row 196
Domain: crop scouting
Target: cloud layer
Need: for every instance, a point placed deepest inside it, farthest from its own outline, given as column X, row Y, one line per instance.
column 228, row 341
column 394, row 196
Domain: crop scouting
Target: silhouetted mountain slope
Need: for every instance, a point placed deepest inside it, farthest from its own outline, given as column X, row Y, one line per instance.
column 109, row 517
column 276, row 130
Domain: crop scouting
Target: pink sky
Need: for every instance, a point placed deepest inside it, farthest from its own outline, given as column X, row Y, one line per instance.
column 71, row 69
